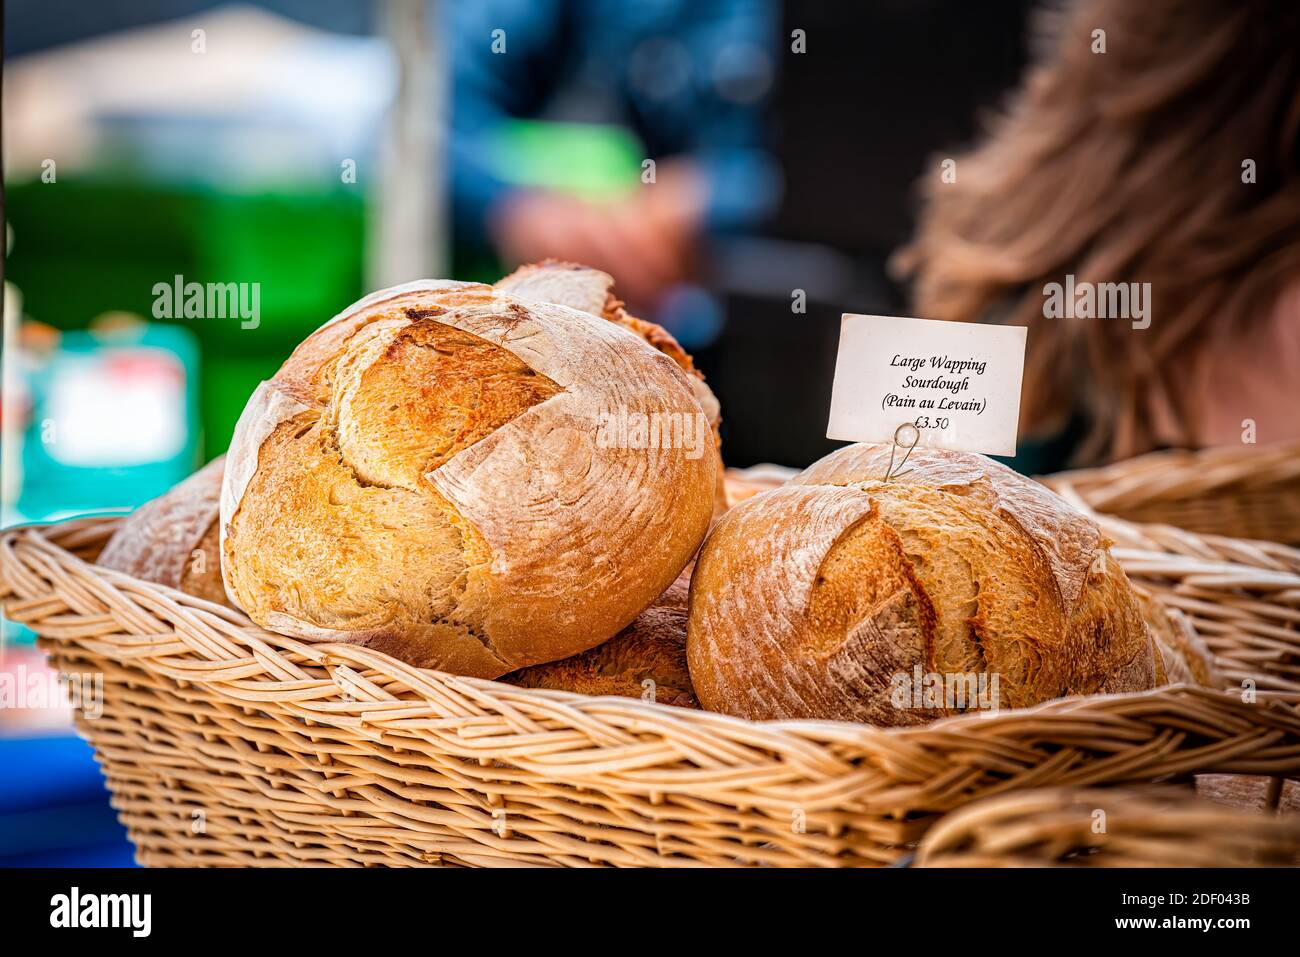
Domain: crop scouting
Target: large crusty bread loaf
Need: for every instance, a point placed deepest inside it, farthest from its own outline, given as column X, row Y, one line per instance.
column 645, row 660
column 426, row 475
column 173, row 539
column 592, row 291
column 830, row 596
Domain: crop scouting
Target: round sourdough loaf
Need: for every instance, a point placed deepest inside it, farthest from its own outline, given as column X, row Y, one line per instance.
column 838, row 594
column 173, row 539
column 428, row 475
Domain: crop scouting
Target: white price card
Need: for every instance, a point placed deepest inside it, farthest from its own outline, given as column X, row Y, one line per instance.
column 958, row 383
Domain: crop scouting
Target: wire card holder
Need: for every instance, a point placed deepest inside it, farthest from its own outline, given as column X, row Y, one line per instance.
column 906, row 437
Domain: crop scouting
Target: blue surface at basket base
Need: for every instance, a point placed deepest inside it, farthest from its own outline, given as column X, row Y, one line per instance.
column 54, row 808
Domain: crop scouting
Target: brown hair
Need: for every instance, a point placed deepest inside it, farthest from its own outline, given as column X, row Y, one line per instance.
column 1127, row 166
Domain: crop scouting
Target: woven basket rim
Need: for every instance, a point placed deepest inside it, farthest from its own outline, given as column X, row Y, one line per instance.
column 1247, row 457
column 325, row 654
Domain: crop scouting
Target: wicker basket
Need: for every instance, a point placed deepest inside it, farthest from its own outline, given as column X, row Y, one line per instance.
column 224, row 744
column 1240, row 595
column 1108, row 827
column 1247, row 491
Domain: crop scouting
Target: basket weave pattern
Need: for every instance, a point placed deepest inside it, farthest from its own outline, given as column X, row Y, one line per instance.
column 1243, row 597
column 225, row 744
column 1111, row 827
column 1242, row 492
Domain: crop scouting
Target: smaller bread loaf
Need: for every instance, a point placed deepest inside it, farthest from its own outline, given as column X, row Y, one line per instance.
column 843, row 596
column 173, row 540
column 646, row 660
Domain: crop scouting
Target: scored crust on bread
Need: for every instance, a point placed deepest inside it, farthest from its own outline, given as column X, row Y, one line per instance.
column 173, row 539
column 646, row 660
column 592, row 291
column 824, row 598
column 423, row 476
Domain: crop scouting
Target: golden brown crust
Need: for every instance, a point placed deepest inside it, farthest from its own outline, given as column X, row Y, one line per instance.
column 592, row 291
column 172, row 540
column 838, row 595
column 1067, row 539
column 645, row 660
column 424, row 476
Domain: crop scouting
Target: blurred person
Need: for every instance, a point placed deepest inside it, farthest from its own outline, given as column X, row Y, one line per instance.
column 1172, row 158
column 689, row 77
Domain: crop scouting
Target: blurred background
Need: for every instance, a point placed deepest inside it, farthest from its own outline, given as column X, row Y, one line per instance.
column 322, row 149
column 744, row 168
